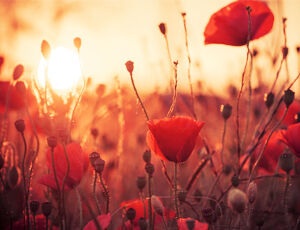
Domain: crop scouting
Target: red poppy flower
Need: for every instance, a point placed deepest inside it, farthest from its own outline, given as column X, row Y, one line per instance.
column 291, row 115
column 182, row 224
column 104, row 220
column 230, row 25
column 78, row 165
column 291, row 137
column 173, row 138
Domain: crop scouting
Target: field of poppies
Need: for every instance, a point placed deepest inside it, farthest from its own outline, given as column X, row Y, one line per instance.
column 94, row 158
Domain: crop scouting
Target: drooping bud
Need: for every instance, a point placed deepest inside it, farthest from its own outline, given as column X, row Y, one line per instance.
column 34, row 206
column 209, row 215
column 141, row 182
column 77, row 43
column 21, row 88
column 157, row 205
column 285, row 51
column 286, row 161
column 52, row 142
column 99, row 165
column 252, row 192
column 269, row 99
column 143, row 223
column 162, row 28
column 147, row 156
column 93, row 157
column 46, row 49
column 237, row 200
column 13, row 177
column 181, row 194
column 226, row 111
column 1, row 162
column 46, row 208
column 129, row 66
column 20, row 125
column 130, row 214
column 149, row 169
column 190, row 223
column 235, row 181
column 288, row 97
column 18, row 71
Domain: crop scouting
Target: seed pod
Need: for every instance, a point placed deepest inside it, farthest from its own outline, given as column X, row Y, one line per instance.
column 46, row 208
column 157, row 205
column 147, row 156
column 143, row 223
column 13, row 177
column 46, row 49
column 52, row 141
column 235, row 181
column 20, row 125
column 129, row 66
column 252, row 192
column 285, row 51
column 209, row 215
column 130, row 214
column 269, row 99
column 286, row 161
column 99, row 165
column 93, row 157
column 94, row 132
column 34, row 206
column 237, row 200
column 162, row 27
column 226, row 111
column 77, row 42
column 149, row 169
column 18, row 71
column 141, row 182
column 288, row 97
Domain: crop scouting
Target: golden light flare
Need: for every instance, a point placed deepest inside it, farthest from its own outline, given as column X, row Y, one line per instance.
column 63, row 70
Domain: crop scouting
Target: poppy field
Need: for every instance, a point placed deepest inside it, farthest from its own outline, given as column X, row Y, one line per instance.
column 75, row 154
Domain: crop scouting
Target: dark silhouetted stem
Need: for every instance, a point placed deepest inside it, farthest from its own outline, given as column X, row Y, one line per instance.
column 64, row 182
column 80, row 207
column 95, row 195
column 175, row 190
column 106, row 194
column 149, row 202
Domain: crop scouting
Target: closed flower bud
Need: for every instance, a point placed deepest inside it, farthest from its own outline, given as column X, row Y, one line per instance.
column 237, row 200
column 149, row 168
column 142, row 223
column 141, row 182
column 129, row 66
column 226, row 111
column 286, row 161
column 20, row 125
column 46, row 49
column 93, row 157
column 18, row 71
column 285, row 51
column 130, row 214
column 269, row 99
column 198, row 195
column 252, row 192
column 34, row 206
column 52, row 141
column 101, row 88
column 147, row 156
column 162, row 28
column 46, row 208
column 13, row 177
column 235, row 181
column 157, row 205
column 209, row 215
column 21, row 88
column 190, row 223
column 181, row 194
column 288, row 97
column 1, row 162
column 77, row 42
column 95, row 132
column 99, row 165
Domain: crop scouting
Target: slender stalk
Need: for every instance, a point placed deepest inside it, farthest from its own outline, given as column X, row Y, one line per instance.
column 149, row 202
column 131, row 224
column 46, row 222
column 166, row 173
column 80, row 207
column 144, row 205
column 164, row 221
column 223, row 143
column 64, row 182
column 170, row 59
column 95, row 195
column 193, row 209
column 285, row 199
column 175, row 190
column 34, row 223
column 175, row 91
column 106, row 194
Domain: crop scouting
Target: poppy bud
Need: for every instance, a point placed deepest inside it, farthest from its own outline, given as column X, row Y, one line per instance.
column 99, row 165
column 269, row 99
column 255, row 52
column 95, row 132
column 130, row 214
column 20, row 125
column 21, row 88
column 45, row 49
column 147, row 156
column 235, row 181
column 286, row 161
column 1, row 162
column 209, row 215
column 298, row 49
column 143, row 223
column 77, row 42
column 141, row 182
column 226, row 111
column 237, row 200
column 34, row 206
column 101, row 88
column 227, row 169
column 149, row 168
column 13, row 177
column 198, row 195
column 157, row 205
column 181, row 194
column 285, row 51
column 288, row 97
column 190, row 223
column 18, row 71
column 93, row 157
column 162, row 28
column 129, row 66
column 252, row 192
column 46, row 208
column 52, row 141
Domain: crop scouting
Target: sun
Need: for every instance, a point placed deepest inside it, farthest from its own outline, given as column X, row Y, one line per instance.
column 64, row 70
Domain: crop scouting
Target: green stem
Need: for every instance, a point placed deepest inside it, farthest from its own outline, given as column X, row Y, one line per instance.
column 80, row 207
column 95, row 195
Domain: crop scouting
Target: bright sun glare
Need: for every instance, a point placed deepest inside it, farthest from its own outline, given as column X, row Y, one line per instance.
column 64, row 70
